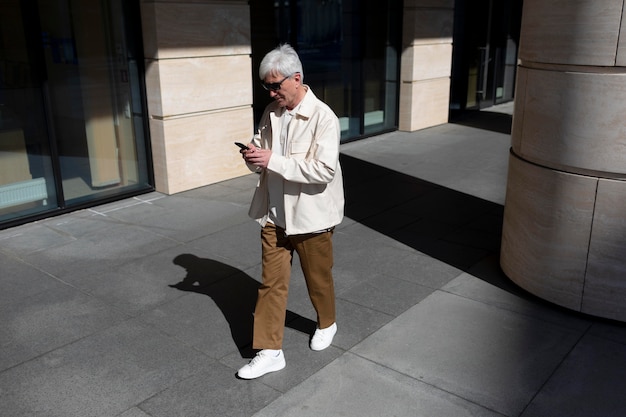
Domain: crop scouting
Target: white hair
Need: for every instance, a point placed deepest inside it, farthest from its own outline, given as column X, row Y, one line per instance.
column 282, row 60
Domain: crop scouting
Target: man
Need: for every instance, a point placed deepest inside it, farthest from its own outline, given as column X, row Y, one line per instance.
column 298, row 202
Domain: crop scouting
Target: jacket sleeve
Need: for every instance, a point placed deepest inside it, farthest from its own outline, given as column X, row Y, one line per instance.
column 259, row 141
column 313, row 152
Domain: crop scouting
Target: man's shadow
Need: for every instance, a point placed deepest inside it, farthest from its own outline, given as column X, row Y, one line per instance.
column 235, row 293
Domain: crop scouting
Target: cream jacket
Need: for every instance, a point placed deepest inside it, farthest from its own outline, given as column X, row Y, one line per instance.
column 312, row 179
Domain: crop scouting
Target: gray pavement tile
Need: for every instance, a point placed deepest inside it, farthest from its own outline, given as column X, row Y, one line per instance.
column 487, row 355
column 236, row 191
column 488, row 183
column 19, row 280
column 480, row 288
column 454, row 254
column 238, row 245
column 467, row 236
column 217, row 322
column 355, row 323
column 183, row 219
column 138, row 286
column 31, row 238
column 422, row 232
column 388, row 222
column 101, row 375
column 98, row 252
column 590, row 382
column 447, row 206
column 608, row 329
column 353, row 386
column 360, row 252
column 488, row 269
column 439, row 155
column 147, row 282
column 421, row 269
column 144, row 200
column 79, row 223
column 386, row 294
column 244, row 183
column 44, row 321
column 214, row 393
column 134, row 412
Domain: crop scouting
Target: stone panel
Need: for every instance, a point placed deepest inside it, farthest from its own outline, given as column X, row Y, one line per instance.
column 191, row 85
column 191, row 152
column 194, row 29
column 423, row 104
column 546, row 230
column 517, row 127
column 424, row 62
column 621, row 48
column 574, row 121
column 575, row 32
column 605, row 284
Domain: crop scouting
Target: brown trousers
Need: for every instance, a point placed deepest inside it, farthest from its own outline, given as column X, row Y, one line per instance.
column 315, row 251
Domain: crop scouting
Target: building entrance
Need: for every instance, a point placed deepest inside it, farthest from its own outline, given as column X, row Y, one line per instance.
column 486, row 38
column 71, row 113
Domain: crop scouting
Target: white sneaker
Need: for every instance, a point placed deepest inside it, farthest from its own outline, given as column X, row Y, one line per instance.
column 265, row 361
column 323, row 337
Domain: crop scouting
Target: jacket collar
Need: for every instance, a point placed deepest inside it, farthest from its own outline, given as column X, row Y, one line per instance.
column 306, row 106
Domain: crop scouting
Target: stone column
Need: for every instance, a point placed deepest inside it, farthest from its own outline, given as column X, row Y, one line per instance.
column 199, row 88
column 564, row 231
column 426, row 63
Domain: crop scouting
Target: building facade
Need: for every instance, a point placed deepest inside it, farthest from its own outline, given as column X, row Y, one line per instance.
column 103, row 99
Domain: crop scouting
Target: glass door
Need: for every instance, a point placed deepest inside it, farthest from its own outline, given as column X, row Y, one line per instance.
column 485, row 52
column 70, row 82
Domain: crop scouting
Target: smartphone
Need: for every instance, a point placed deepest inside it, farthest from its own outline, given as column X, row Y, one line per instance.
column 242, row 146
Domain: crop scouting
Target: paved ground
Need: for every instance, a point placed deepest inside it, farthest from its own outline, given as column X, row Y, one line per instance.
column 143, row 307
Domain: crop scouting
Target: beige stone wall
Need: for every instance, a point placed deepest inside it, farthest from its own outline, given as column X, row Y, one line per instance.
column 199, row 89
column 564, row 234
column 426, row 63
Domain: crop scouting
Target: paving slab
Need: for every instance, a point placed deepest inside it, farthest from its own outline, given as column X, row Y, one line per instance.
column 20, row 280
column 104, row 374
column 97, row 252
column 487, row 355
column 590, row 382
column 355, row 386
column 47, row 320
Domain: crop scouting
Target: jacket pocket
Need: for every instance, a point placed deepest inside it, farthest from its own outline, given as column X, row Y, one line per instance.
column 300, row 147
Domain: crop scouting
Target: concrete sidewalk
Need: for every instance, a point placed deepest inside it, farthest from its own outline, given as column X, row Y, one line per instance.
column 144, row 307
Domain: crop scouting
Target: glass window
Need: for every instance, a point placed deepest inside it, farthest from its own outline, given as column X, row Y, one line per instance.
column 350, row 53
column 27, row 184
column 71, row 109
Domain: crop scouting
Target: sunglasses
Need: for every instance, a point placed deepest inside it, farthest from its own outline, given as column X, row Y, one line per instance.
column 275, row 86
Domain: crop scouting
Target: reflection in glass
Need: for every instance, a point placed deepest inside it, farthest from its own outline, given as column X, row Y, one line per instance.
column 26, row 177
column 85, row 55
column 350, row 53
column 71, row 116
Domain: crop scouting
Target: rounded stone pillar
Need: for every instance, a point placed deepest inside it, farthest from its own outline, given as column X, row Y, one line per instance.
column 564, row 231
